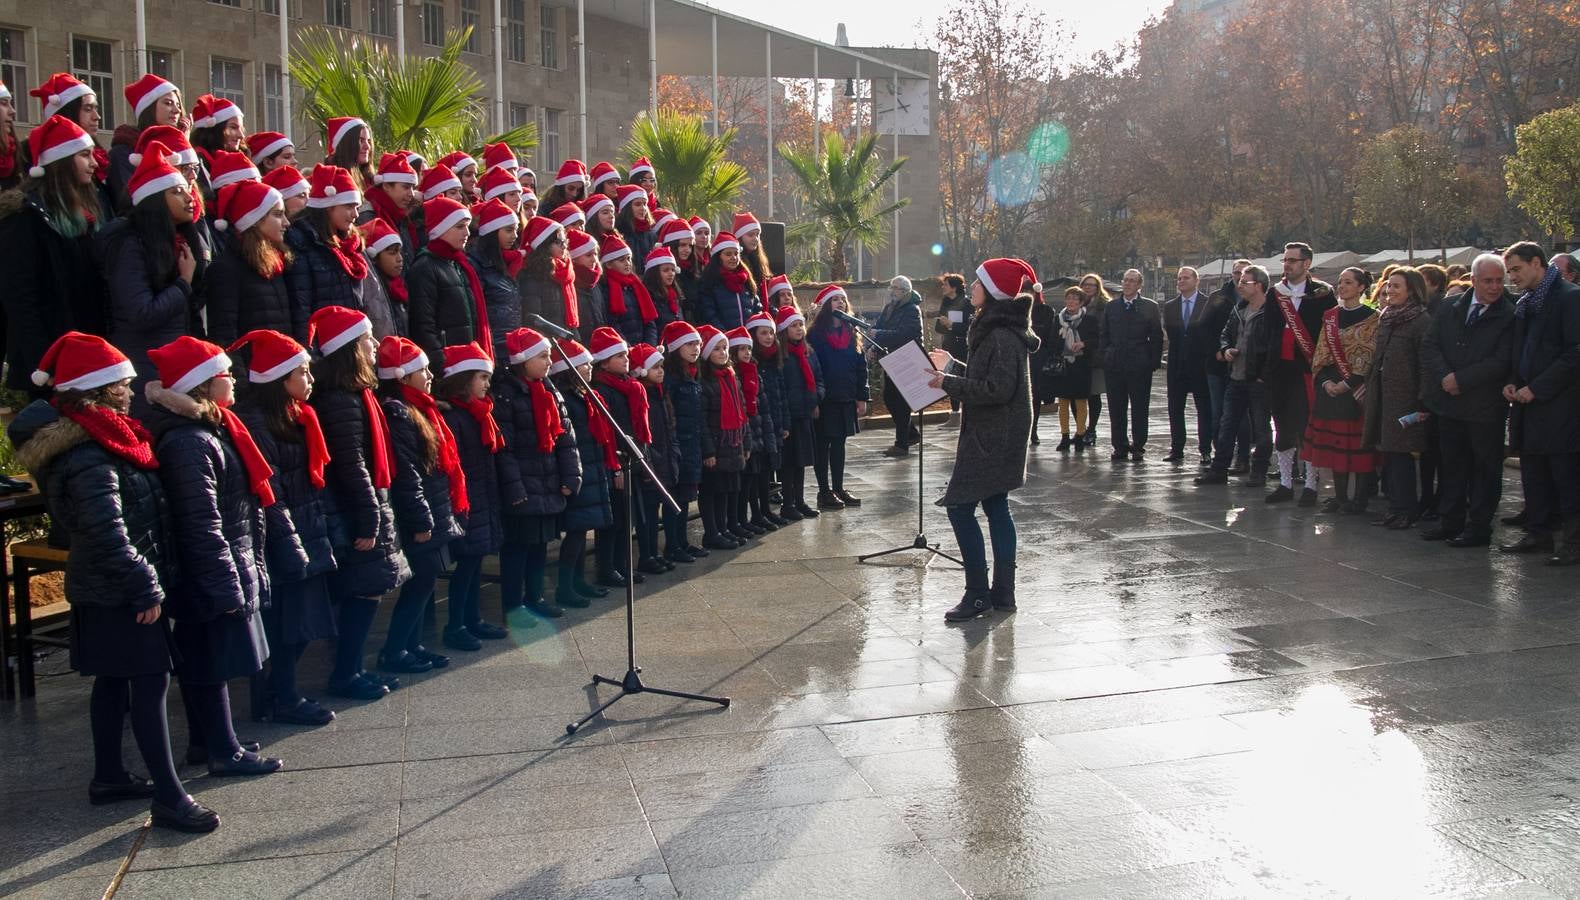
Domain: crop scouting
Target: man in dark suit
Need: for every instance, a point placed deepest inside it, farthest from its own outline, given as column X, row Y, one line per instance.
column 1131, row 348
column 1193, row 346
column 1297, row 304
column 1544, row 387
column 1465, row 363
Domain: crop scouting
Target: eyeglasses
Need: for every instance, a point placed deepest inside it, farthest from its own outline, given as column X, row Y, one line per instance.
column 1294, row 259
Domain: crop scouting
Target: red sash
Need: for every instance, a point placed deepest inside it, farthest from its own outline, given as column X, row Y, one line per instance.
column 1330, row 330
column 1297, row 328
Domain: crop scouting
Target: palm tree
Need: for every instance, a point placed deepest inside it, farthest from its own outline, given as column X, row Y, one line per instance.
column 430, row 104
column 844, row 194
column 694, row 178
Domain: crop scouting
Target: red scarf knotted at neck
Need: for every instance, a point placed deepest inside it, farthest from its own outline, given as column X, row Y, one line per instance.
column 482, row 411
column 798, row 350
column 396, row 288
column 122, row 435
column 603, row 433
column 443, row 250
column 618, row 283
column 751, row 384
column 587, row 278
column 382, row 452
column 396, row 216
column 837, row 338
column 258, row 469
column 672, row 294
column 102, row 160
column 447, row 459
column 735, row 279
column 568, row 277
column 348, row 249
column 313, row 437
column 514, row 260
column 731, row 416
column 636, row 397
column 546, row 419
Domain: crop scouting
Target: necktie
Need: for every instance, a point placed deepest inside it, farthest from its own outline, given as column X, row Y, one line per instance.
column 1185, row 314
column 1475, row 313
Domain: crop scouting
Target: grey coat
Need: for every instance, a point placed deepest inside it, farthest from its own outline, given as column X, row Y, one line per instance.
column 994, row 390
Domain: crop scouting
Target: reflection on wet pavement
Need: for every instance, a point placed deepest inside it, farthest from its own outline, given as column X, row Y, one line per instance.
column 1200, row 696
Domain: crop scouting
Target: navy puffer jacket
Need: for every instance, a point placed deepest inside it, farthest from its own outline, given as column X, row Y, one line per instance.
column 240, row 300
column 844, row 370
column 315, row 278
column 798, row 400
column 298, row 545
column 629, row 323
column 589, row 509
column 771, row 404
column 685, row 398
column 359, row 510
column 723, row 308
column 420, row 495
column 142, row 316
column 111, row 514
column 664, row 453
column 529, row 480
column 485, row 530
column 727, row 447
column 501, row 296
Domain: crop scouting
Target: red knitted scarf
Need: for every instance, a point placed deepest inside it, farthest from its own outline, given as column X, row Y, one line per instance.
column 122, row 435
column 258, row 468
column 348, row 249
column 482, row 411
column 798, row 350
column 447, row 460
column 750, row 385
column 636, row 396
column 567, row 277
column 382, row 454
column 618, row 283
column 731, row 415
column 443, row 250
column 545, row 415
column 313, row 436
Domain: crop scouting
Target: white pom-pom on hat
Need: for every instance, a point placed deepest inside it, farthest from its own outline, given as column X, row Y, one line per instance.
column 36, row 171
column 54, row 99
column 1036, row 287
column 221, row 225
column 40, row 377
column 135, row 159
column 330, row 191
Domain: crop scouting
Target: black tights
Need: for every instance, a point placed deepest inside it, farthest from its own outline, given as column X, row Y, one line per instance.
column 208, row 719
column 466, row 587
column 283, row 658
column 416, row 595
column 828, row 460
column 355, row 621
column 1094, row 408
column 144, row 697
column 792, row 485
column 758, row 487
column 675, row 538
column 521, row 571
column 573, row 551
column 613, row 551
column 718, row 508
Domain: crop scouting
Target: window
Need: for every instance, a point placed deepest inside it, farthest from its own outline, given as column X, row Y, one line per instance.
column 381, row 18
column 337, row 13
column 549, row 157
column 274, row 100
column 269, row 7
column 163, row 64
column 520, row 114
column 516, row 30
column 235, row 3
column 470, row 19
column 225, row 80
column 92, row 62
column 549, row 37
column 433, row 23
column 13, row 70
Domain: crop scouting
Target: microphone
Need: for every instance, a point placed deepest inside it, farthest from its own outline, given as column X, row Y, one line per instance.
column 851, row 320
column 551, row 329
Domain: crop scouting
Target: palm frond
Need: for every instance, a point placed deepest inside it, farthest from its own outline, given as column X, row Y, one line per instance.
column 694, row 177
column 844, row 192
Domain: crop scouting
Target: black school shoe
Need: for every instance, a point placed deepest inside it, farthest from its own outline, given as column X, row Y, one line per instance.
column 696, row 551
column 806, row 512
column 828, row 500
column 652, row 565
column 244, row 763
column 679, row 556
column 461, row 639
column 189, row 816
column 791, row 514
column 488, row 631
column 436, row 660
column 1308, row 498
column 135, row 787
column 846, row 497
column 198, row 755
column 591, row 591
column 1280, row 495
column 403, row 663
column 305, row 712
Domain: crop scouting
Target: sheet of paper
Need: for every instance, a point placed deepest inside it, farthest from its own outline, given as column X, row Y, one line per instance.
column 957, row 316
column 910, row 370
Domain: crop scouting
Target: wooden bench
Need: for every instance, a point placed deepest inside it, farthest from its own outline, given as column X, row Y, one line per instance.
column 28, row 558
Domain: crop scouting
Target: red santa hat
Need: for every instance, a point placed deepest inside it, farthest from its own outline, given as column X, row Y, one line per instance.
column 211, row 111
column 645, row 357
column 678, row 334
column 569, row 215
column 333, row 327
column 443, row 214
column 739, row 337
column 332, row 186
column 541, row 229
column 57, row 91
column 829, row 292
column 287, row 180
column 579, row 243
column 82, row 362
column 5, row 92
column 745, row 223
column 612, row 247
column 606, row 343
column 244, row 204
column 525, row 174
column 457, row 162
column 522, row 344
column 1005, row 277
column 57, row 139
column 230, row 168
column 778, row 284
column 395, row 168
column 187, row 362
column 571, row 171
column 641, row 165
column 711, row 337
column 154, row 174
column 417, row 160
column 399, row 357
column 175, row 141
column 467, row 357
column 602, row 172
column 436, row 179
column 725, row 241
column 593, row 204
column 628, row 194
column 274, row 355
column 658, row 256
column 497, row 183
column 499, row 156
column 698, row 223
column 265, row 144
column 675, row 231
column 378, row 236
column 528, row 194
column 787, row 316
column 569, row 355
column 142, row 93
column 760, row 320
column 661, row 218
column 338, row 129
column 493, row 215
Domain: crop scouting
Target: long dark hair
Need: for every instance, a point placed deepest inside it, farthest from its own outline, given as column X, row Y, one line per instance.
column 625, row 222
column 70, row 400
column 823, row 320
column 150, row 224
column 675, row 368
column 272, row 398
column 72, row 207
column 345, row 156
column 654, row 279
column 488, row 251
column 540, row 261
column 567, row 383
column 317, row 218
column 210, row 140
column 390, row 389
column 756, row 261
column 559, row 195
column 715, row 269
column 345, row 370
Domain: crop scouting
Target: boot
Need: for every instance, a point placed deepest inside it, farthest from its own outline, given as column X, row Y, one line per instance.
column 1003, row 592
column 1065, row 445
column 977, row 600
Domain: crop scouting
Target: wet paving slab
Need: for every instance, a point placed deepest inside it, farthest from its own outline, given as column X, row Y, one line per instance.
column 1200, row 695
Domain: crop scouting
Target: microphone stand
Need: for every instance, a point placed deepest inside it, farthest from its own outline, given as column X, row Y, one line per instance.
column 920, row 542
column 632, row 459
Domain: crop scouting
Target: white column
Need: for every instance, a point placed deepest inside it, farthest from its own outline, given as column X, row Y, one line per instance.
column 581, row 73
column 817, row 109
column 285, row 63
column 141, row 65
column 714, row 21
column 400, row 27
column 768, row 56
column 499, row 68
column 861, row 273
column 895, row 237
column 652, row 59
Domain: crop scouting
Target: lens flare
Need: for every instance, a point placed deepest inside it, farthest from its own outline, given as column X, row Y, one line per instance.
column 938, row 249
column 1048, row 144
column 1012, row 179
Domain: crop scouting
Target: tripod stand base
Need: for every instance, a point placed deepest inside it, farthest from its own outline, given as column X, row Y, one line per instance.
column 920, row 543
column 632, row 684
